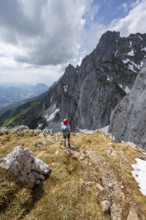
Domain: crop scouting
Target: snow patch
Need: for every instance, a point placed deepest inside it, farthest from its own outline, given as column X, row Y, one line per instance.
column 54, row 108
column 87, row 131
column 65, row 88
column 131, row 67
column 104, row 129
column 130, row 44
column 116, row 52
column 140, row 37
column 110, row 79
column 125, row 89
column 126, row 61
column 139, row 173
column 144, row 49
column 129, row 143
column 141, row 63
column 50, row 117
column 131, row 53
column 39, row 126
column 51, row 99
column 131, row 64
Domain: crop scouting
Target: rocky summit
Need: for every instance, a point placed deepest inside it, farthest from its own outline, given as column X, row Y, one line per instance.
column 88, row 93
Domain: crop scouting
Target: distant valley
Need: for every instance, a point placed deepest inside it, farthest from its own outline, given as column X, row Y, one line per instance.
column 13, row 96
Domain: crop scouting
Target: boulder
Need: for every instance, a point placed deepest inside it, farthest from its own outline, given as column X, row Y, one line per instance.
column 105, row 204
column 26, row 167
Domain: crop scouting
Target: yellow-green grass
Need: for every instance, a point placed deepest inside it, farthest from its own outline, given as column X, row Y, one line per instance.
column 62, row 196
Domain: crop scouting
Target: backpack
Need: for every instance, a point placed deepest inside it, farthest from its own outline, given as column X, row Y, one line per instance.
column 65, row 129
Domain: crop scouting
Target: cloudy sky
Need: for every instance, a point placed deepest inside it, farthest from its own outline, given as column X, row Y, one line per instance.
column 38, row 38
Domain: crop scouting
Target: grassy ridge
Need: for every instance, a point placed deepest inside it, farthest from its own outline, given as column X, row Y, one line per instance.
column 71, row 191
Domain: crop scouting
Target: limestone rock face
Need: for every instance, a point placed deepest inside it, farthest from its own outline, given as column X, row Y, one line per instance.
column 87, row 94
column 25, row 166
column 128, row 120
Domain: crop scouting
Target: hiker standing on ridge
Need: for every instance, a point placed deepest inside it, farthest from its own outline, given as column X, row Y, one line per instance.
column 65, row 128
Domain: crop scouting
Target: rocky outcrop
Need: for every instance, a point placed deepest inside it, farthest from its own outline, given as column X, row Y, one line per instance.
column 128, row 120
column 88, row 93
column 4, row 130
column 25, row 166
column 20, row 128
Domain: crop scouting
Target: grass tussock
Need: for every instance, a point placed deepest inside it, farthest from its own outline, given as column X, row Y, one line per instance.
column 71, row 190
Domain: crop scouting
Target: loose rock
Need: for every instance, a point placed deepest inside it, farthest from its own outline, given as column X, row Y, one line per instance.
column 132, row 215
column 25, row 166
column 101, row 189
column 105, row 206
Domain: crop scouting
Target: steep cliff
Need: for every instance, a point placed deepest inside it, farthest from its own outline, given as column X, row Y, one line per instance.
column 88, row 93
column 128, row 120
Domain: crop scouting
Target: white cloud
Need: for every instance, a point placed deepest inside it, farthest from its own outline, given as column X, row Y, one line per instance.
column 48, row 34
column 41, row 33
column 133, row 4
column 29, row 74
column 92, row 36
column 132, row 23
column 124, row 7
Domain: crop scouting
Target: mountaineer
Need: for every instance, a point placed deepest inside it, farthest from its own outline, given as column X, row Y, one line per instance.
column 65, row 128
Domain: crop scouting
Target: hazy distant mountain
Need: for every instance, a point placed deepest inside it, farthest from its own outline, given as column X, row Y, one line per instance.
column 10, row 95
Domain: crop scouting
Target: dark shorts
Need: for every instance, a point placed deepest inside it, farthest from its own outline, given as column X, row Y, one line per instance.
column 66, row 136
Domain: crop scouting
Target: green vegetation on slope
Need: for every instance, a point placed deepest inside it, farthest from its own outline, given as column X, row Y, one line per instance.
column 14, row 117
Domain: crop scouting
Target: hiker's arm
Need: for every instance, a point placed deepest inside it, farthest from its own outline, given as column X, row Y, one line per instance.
column 69, row 129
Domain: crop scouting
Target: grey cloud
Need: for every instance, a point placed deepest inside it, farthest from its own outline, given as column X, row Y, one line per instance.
column 13, row 18
column 2, row 55
column 48, row 31
column 53, row 51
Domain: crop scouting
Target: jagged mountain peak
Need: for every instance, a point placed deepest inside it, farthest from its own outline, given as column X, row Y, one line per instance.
column 69, row 69
column 70, row 66
column 88, row 94
column 137, row 35
column 109, row 37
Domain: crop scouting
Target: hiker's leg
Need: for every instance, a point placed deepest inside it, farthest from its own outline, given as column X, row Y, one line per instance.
column 64, row 143
column 68, row 140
